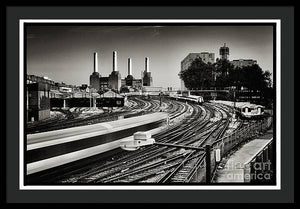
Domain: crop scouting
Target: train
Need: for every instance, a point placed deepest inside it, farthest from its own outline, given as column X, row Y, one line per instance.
column 50, row 149
column 188, row 98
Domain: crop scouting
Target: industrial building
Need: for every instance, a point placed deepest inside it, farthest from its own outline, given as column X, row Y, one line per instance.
column 38, row 101
column 110, row 99
column 56, row 94
column 104, row 83
column 38, row 79
column 95, row 77
column 147, row 78
column 137, row 84
column 114, row 80
column 130, row 81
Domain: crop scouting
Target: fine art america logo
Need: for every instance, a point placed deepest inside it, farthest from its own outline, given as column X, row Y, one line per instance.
column 257, row 171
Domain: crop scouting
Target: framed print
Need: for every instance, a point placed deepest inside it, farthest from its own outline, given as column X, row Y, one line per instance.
column 167, row 104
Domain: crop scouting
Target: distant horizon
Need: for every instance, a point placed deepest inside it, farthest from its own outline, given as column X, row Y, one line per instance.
column 65, row 53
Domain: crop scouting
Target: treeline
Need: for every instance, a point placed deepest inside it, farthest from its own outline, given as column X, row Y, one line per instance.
column 223, row 74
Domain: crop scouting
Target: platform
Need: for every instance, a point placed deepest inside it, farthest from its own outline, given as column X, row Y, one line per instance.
column 50, row 149
column 233, row 171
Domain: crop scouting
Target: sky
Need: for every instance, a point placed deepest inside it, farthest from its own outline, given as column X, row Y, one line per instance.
column 64, row 53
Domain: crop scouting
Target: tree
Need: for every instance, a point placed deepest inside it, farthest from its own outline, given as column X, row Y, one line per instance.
column 201, row 75
column 198, row 75
column 254, row 78
column 223, row 68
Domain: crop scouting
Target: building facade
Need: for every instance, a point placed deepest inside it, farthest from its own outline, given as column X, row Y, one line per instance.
column 243, row 63
column 206, row 57
column 147, row 79
column 103, row 83
column 38, row 79
column 95, row 80
column 224, row 52
column 146, row 76
column 114, row 80
column 137, row 84
column 38, row 101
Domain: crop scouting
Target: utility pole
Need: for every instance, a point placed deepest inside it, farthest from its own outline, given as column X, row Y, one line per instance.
column 207, row 162
column 234, row 102
column 90, row 98
column 160, row 99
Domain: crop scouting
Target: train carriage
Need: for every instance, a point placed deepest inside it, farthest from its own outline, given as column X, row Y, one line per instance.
column 190, row 98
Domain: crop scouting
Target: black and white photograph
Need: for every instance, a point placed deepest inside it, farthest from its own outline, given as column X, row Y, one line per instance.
column 152, row 103
column 158, row 104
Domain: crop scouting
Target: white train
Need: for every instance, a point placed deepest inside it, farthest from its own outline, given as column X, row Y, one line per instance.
column 190, row 98
column 59, row 147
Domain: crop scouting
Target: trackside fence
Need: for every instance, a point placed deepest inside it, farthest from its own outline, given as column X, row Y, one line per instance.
column 260, row 169
column 224, row 145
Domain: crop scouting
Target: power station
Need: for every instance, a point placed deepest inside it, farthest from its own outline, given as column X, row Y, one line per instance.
column 129, row 79
column 114, row 80
column 147, row 79
column 95, row 77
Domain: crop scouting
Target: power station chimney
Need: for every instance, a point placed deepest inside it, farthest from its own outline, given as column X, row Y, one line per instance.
column 115, row 67
column 129, row 67
column 147, row 64
column 95, row 62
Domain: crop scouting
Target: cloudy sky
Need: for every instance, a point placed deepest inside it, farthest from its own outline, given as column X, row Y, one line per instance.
column 64, row 53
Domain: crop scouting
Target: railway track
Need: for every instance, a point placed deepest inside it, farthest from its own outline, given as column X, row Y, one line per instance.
column 72, row 119
column 171, row 107
column 178, row 167
column 154, row 156
column 90, row 164
column 160, row 164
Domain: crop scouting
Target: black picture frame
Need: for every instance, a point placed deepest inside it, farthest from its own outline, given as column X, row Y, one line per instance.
column 14, row 195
